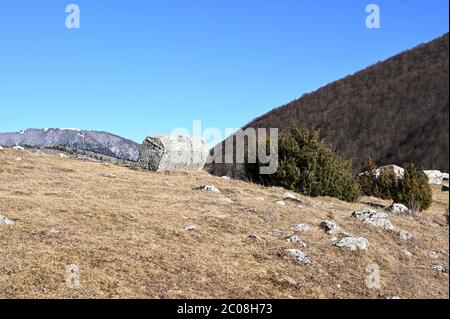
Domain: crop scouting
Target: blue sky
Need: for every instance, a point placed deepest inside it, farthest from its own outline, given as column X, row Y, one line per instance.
column 142, row 67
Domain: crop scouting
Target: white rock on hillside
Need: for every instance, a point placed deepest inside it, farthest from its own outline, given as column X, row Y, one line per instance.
column 18, row 148
column 435, row 177
column 407, row 253
column 256, row 238
column 296, row 240
column 276, row 232
column 300, row 228
column 439, row 268
column 374, row 218
column 209, row 188
column 329, row 226
column 190, row 228
column 398, row 171
column 352, row 243
column 5, row 220
column 290, row 197
column 433, row 255
column 404, row 235
column 299, row 256
column 398, row 209
column 173, row 153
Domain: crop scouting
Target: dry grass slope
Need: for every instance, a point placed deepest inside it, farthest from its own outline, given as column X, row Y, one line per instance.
column 124, row 228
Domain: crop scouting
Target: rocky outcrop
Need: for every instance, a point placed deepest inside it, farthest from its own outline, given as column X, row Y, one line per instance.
column 329, row 227
column 374, row 218
column 352, row 243
column 404, row 235
column 398, row 209
column 173, row 153
column 397, row 171
column 436, row 177
column 5, row 220
column 299, row 256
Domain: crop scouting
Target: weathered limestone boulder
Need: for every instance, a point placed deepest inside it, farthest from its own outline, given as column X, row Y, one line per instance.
column 299, row 256
column 439, row 268
column 398, row 171
column 372, row 217
column 5, row 220
column 404, row 235
column 300, row 228
column 435, row 177
column 173, row 153
column 296, row 240
column 352, row 243
column 329, row 226
column 399, row 209
column 290, row 197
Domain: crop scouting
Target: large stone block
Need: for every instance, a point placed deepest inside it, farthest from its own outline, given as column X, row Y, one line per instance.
column 173, row 153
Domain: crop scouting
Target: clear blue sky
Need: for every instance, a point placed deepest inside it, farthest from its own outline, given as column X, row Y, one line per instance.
column 141, row 67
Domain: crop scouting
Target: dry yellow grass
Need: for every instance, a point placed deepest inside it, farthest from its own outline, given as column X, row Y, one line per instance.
column 126, row 234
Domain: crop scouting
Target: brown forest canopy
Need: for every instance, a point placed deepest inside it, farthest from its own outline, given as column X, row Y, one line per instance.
column 395, row 111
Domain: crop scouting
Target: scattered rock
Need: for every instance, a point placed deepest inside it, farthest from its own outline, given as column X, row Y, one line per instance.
column 404, row 235
column 1, row 148
column 54, row 232
column 393, row 297
column 329, row 227
column 209, row 188
column 439, row 268
column 444, row 188
column 227, row 178
column 398, row 171
column 352, row 243
column 18, row 148
column 169, row 184
column 433, row 255
column 372, row 217
column 173, row 153
column 398, row 209
column 435, row 177
column 190, row 228
column 296, row 240
column 256, row 238
column 227, row 200
column 277, row 233
column 18, row 159
column 62, row 155
column 110, row 175
column 280, row 203
column 300, row 228
column 407, row 253
column 290, row 197
column 5, row 220
column 299, row 256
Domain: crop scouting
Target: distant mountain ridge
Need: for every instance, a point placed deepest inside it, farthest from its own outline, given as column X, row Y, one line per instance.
column 93, row 141
column 396, row 111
